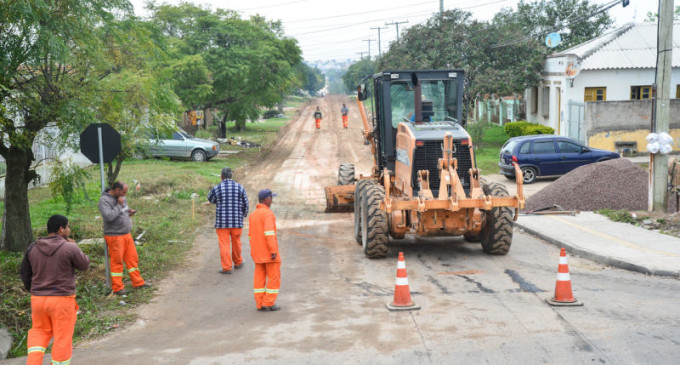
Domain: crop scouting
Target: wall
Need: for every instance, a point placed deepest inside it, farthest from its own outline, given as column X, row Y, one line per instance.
column 625, row 121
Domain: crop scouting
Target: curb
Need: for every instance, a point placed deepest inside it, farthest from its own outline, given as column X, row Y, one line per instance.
column 590, row 255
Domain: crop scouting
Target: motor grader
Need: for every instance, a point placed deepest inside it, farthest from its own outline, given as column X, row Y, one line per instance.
column 424, row 178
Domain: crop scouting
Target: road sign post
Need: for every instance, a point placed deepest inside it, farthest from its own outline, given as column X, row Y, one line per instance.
column 93, row 147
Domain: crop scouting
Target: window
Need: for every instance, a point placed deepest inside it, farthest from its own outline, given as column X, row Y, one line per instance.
column 525, row 148
column 595, row 94
column 508, row 147
column 677, row 92
column 544, row 147
column 568, row 147
column 640, row 92
column 533, row 96
column 545, row 103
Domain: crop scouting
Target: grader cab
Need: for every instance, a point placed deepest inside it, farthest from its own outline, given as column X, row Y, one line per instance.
column 424, row 179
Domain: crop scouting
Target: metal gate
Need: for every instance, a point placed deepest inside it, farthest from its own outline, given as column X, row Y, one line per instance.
column 575, row 116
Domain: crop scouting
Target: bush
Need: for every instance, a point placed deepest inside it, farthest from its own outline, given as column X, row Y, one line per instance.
column 476, row 131
column 522, row 128
column 270, row 114
column 204, row 134
column 514, row 129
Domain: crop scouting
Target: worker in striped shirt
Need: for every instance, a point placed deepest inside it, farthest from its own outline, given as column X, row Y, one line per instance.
column 232, row 207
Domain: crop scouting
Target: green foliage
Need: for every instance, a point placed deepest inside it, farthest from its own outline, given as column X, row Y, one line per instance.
column 205, row 134
column 514, row 129
column 497, row 56
column 270, row 114
column 234, row 65
column 312, row 78
column 486, row 154
column 522, row 128
column 620, row 215
column 653, row 17
column 356, row 72
column 476, row 131
column 66, row 180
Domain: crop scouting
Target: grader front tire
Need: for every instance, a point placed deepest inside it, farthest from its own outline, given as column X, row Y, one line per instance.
column 346, row 174
column 496, row 237
column 360, row 186
column 374, row 228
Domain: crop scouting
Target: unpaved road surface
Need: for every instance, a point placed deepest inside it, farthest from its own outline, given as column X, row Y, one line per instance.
column 475, row 308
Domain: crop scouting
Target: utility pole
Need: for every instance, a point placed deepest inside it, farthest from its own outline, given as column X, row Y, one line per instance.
column 441, row 7
column 361, row 54
column 658, row 174
column 369, row 46
column 379, row 45
column 397, row 25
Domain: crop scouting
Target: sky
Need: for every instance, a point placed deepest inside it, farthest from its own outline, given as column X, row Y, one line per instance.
column 342, row 30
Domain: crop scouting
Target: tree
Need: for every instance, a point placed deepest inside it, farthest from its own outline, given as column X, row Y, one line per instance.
column 654, row 17
column 312, row 78
column 250, row 62
column 135, row 96
column 574, row 20
column 356, row 72
column 47, row 76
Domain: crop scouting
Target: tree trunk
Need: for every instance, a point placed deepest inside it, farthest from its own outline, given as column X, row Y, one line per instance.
column 223, row 126
column 240, row 125
column 17, row 233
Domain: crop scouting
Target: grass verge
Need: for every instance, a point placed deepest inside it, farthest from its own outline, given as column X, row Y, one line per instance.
column 487, row 152
column 164, row 207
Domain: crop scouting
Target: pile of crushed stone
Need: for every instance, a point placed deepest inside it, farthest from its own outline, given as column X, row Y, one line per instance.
column 612, row 184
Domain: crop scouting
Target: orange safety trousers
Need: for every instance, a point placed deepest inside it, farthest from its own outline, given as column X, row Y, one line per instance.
column 267, row 283
column 223, row 235
column 122, row 249
column 51, row 317
column 318, row 123
column 345, row 120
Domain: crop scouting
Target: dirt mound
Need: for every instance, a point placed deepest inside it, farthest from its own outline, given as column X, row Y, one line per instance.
column 613, row 184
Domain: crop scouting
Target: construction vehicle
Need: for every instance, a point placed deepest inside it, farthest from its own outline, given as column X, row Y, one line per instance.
column 424, row 178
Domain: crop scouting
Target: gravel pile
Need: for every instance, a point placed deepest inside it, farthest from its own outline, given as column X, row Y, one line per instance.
column 613, row 184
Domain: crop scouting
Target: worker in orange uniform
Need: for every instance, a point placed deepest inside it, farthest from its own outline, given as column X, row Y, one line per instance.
column 345, row 115
column 265, row 252
column 48, row 274
column 317, row 118
column 117, row 227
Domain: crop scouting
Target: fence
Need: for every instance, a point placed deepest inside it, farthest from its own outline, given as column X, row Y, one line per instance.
column 500, row 110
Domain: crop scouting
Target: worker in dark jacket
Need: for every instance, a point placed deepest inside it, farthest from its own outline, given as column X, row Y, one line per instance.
column 317, row 118
column 52, row 260
column 345, row 115
column 117, row 227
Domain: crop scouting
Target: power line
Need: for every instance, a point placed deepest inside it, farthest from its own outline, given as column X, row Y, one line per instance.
column 397, row 26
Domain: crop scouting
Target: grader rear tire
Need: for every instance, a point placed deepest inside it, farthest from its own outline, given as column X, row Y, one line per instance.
column 361, row 185
column 496, row 237
column 374, row 235
column 346, row 174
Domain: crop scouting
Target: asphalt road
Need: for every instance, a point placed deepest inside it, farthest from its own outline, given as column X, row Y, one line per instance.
column 475, row 308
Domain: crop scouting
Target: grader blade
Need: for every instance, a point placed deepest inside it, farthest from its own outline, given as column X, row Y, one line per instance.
column 339, row 199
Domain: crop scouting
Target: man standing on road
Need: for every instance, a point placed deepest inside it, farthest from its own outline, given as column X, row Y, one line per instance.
column 345, row 115
column 117, row 227
column 317, row 118
column 265, row 252
column 232, row 207
column 48, row 272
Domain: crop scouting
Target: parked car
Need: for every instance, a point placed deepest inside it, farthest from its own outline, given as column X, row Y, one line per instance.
column 178, row 144
column 547, row 155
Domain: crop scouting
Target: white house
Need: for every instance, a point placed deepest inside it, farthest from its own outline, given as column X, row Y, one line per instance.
column 616, row 66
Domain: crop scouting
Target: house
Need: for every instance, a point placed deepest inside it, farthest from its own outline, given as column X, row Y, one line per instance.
column 599, row 92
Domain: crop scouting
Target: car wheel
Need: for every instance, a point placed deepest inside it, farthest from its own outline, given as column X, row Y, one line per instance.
column 528, row 175
column 199, row 156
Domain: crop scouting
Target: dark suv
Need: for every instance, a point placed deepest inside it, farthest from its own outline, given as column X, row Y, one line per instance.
column 547, row 155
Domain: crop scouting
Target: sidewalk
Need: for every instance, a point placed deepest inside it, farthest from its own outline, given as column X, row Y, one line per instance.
column 595, row 237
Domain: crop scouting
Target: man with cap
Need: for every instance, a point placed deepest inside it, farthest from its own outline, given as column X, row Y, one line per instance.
column 265, row 252
column 232, row 206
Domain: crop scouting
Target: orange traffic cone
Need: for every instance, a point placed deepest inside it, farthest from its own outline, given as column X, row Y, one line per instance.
column 563, row 295
column 402, row 294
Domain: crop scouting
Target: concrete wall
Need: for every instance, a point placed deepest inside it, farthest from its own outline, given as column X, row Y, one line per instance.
column 625, row 121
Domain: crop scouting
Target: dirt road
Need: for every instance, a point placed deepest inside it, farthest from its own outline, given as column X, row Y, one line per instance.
column 475, row 308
